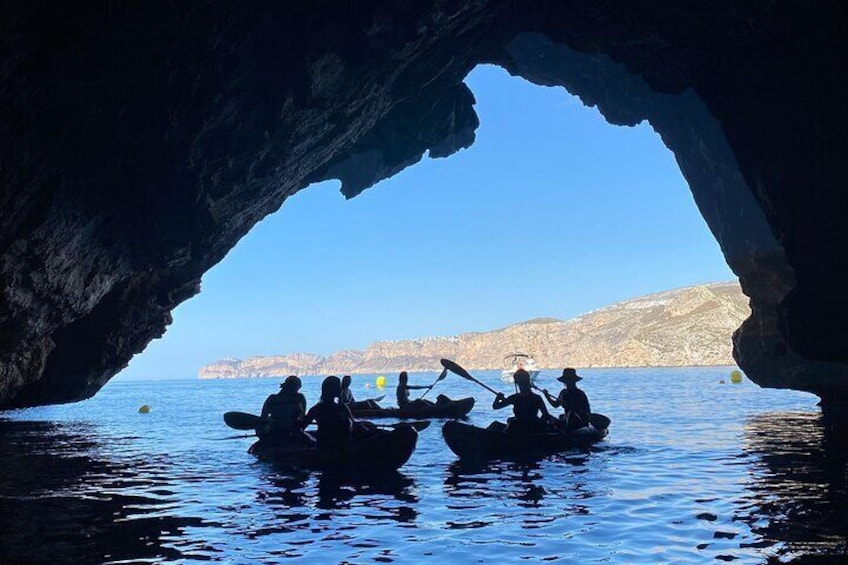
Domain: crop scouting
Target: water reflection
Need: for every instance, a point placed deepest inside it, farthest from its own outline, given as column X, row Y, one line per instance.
column 286, row 490
column 69, row 495
column 519, row 481
column 46, row 506
column 549, row 490
column 797, row 498
column 686, row 486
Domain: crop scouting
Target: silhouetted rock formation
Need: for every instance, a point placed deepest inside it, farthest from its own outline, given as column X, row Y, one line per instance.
column 141, row 141
column 681, row 327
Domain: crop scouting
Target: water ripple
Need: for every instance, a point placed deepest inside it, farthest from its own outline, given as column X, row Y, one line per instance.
column 96, row 482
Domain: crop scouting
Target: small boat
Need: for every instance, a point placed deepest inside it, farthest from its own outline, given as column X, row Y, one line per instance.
column 472, row 442
column 515, row 361
column 384, row 451
column 450, row 409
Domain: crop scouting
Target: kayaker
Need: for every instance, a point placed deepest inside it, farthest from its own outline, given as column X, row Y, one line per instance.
column 526, row 406
column 346, row 397
column 334, row 419
column 403, row 389
column 574, row 402
column 283, row 413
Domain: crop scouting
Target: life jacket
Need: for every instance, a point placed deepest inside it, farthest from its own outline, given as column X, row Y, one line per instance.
column 285, row 412
column 574, row 400
column 402, row 396
column 525, row 407
column 334, row 426
column 346, row 396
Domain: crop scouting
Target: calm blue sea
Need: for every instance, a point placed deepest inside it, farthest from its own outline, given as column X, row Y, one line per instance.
column 694, row 471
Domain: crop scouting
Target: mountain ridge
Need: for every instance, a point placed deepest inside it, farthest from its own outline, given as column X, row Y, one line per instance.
column 688, row 326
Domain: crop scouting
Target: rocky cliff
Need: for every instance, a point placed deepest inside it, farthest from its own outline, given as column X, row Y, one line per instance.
column 139, row 141
column 682, row 327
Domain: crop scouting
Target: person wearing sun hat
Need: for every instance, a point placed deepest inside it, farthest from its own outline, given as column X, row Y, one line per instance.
column 574, row 402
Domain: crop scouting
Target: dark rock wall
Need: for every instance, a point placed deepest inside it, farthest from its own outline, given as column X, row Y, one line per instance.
column 141, row 142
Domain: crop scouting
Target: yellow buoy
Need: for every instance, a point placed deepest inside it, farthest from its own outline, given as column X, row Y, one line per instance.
column 736, row 377
column 381, row 381
column 144, row 409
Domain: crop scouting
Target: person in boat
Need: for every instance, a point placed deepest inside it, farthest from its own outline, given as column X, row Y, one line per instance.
column 530, row 412
column 346, row 396
column 335, row 422
column 574, row 402
column 348, row 400
column 283, row 413
column 403, row 400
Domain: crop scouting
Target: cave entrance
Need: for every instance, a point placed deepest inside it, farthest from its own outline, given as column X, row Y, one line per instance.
column 553, row 212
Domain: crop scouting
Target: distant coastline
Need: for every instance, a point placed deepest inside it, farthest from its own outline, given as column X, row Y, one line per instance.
column 686, row 327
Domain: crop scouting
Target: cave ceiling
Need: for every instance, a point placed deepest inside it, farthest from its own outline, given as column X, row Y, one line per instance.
column 141, row 141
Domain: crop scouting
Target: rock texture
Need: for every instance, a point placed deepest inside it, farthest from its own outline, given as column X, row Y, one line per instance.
column 682, row 327
column 141, row 141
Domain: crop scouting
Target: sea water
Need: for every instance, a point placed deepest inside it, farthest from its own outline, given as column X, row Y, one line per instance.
column 695, row 470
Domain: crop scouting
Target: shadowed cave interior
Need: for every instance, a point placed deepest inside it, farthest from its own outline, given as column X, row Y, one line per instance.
column 141, row 143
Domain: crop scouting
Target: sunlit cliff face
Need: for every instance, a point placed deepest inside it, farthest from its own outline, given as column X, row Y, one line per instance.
column 139, row 143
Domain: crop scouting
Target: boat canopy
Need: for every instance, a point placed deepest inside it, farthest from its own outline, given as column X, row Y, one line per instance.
column 515, row 355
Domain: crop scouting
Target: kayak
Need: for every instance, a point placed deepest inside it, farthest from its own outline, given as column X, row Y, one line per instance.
column 385, row 450
column 451, row 409
column 471, row 442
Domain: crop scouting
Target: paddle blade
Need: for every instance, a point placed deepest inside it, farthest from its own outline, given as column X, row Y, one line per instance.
column 599, row 421
column 454, row 368
column 242, row 420
column 417, row 424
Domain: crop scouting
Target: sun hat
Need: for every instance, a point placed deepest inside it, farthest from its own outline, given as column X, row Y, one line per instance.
column 569, row 375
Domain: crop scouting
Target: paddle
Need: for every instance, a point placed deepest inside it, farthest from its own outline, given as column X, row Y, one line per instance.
column 543, row 391
column 244, row 421
column 441, row 377
column 240, row 436
column 454, row 368
column 417, row 424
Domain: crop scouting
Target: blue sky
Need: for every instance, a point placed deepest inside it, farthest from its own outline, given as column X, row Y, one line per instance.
column 552, row 212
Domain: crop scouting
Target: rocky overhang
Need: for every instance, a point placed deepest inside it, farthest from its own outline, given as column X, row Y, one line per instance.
column 141, row 141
